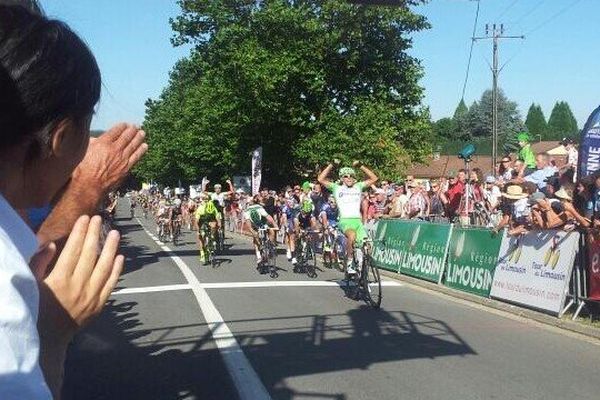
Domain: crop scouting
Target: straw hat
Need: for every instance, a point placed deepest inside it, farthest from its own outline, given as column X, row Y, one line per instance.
column 563, row 195
column 514, row 192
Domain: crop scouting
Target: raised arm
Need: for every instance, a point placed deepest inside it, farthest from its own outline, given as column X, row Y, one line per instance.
column 371, row 177
column 322, row 178
column 231, row 188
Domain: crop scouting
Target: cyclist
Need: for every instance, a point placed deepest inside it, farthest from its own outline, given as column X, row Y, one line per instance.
column 256, row 217
column 206, row 213
column 176, row 218
column 329, row 214
column 218, row 197
column 289, row 212
column 348, row 197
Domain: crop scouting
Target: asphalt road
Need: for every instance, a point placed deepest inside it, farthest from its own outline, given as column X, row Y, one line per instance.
column 176, row 330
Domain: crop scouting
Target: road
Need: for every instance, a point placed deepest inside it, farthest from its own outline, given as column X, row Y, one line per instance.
column 176, row 330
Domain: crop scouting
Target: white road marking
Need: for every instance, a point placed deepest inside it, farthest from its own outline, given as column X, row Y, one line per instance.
column 260, row 284
column 245, row 379
column 148, row 289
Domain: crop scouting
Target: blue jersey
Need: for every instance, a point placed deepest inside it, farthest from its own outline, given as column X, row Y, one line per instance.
column 331, row 213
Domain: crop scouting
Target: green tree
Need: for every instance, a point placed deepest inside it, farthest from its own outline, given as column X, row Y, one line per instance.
column 480, row 117
column 307, row 80
column 461, row 122
column 536, row 122
column 445, row 129
column 562, row 123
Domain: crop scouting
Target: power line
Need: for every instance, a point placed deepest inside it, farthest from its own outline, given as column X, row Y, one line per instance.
column 554, row 16
column 506, row 10
column 531, row 10
column 471, row 50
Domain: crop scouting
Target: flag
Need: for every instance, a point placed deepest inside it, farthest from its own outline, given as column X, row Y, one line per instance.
column 256, row 170
column 589, row 147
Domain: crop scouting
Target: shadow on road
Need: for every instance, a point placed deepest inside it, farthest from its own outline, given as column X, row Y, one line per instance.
column 105, row 363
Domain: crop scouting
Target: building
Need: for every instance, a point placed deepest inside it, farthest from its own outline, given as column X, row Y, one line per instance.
column 442, row 165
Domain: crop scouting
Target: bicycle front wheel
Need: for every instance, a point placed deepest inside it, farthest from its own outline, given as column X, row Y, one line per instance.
column 371, row 283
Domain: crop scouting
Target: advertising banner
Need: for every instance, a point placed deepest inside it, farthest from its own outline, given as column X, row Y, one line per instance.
column 256, row 170
column 413, row 248
column 472, row 258
column 589, row 148
column 535, row 269
column 594, row 269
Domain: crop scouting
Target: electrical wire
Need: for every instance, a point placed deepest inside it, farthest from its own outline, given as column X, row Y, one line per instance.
column 506, row 10
column 554, row 16
column 530, row 11
column 471, row 51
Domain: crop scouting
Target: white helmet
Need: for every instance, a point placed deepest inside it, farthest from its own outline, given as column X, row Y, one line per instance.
column 177, row 202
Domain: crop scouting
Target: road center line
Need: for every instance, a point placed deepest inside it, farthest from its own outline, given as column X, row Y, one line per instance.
column 245, row 379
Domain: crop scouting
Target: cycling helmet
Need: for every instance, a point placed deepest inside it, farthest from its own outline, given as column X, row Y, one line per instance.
column 177, row 202
column 306, row 207
column 347, row 171
column 306, row 185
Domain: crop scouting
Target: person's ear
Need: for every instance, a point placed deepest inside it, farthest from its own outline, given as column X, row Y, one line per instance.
column 61, row 137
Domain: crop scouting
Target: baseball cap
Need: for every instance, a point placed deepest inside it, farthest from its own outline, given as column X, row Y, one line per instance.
column 490, row 179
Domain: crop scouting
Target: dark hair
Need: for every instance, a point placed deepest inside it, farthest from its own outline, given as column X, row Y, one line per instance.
column 47, row 75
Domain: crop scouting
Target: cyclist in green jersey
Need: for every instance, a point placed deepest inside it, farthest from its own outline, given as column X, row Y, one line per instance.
column 206, row 213
column 256, row 217
column 348, row 197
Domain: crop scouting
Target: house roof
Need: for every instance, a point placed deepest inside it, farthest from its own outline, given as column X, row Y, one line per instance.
column 438, row 167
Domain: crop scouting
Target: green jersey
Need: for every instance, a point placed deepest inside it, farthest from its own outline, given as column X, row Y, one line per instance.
column 526, row 154
column 256, row 214
column 348, row 199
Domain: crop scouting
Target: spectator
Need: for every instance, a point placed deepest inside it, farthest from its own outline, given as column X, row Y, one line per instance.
column 542, row 173
column 418, row 203
column 491, row 194
column 582, row 200
column 515, row 211
column 45, row 135
column 455, row 193
column 437, row 200
column 399, row 204
column 572, row 154
column 526, row 153
column 505, row 169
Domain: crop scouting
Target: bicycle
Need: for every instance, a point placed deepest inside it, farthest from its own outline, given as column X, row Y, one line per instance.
column 176, row 231
column 334, row 248
column 268, row 251
column 163, row 230
column 367, row 280
column 208, row 244
column 307, row 258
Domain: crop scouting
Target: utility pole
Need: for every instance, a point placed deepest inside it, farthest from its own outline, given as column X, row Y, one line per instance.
column 495, row 32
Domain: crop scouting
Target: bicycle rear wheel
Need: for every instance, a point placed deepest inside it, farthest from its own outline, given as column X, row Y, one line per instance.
column 371, row 282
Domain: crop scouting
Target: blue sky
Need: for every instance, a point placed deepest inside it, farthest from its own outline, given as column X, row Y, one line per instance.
column 556, row 61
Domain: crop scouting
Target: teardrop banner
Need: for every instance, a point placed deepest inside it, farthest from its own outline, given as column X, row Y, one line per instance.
column 413, row 248
column 534, row 269
column 589, row 146
column 472, row 259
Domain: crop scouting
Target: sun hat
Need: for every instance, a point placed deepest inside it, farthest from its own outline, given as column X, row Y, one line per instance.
column 490, row 179
column 514, row 192
column 347, row 171
column 563, row 195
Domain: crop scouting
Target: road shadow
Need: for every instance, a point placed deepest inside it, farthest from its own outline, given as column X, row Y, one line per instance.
column 104, row 361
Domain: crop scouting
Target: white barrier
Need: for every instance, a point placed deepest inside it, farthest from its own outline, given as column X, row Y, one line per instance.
column 535, row 269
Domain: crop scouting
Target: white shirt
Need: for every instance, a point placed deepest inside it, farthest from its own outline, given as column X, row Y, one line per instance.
column 20, row 373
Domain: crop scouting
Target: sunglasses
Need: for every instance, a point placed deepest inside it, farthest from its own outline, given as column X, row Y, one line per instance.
column 504, row 161
column 347, row 176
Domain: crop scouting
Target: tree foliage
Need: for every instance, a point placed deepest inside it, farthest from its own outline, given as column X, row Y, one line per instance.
column 307, row 80
column 562, row 123
column 536, row 122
